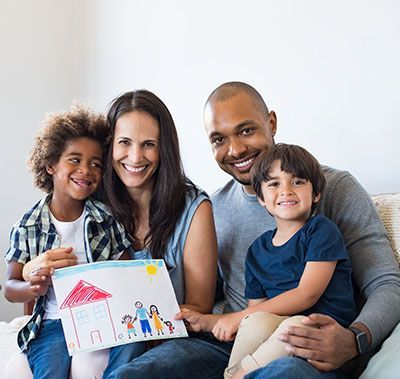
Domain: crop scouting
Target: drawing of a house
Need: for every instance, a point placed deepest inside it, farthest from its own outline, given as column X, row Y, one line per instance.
column 90, row 314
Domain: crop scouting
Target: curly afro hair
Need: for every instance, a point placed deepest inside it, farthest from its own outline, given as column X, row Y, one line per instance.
column 57, row 130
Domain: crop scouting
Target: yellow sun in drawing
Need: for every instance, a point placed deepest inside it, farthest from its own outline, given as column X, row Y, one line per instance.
column 152, row 270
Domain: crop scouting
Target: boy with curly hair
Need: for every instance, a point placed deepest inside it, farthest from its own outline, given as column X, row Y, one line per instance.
column 66, row 162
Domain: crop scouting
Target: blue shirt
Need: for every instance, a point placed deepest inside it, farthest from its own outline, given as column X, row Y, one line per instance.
column 272, row 270
column 34, row 234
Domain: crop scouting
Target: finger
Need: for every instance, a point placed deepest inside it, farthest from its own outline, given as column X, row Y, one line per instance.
column 72, row 260
column 317, row 320
column 309, row 333
column 301, row 342
column 47, row 272
column 305, row 353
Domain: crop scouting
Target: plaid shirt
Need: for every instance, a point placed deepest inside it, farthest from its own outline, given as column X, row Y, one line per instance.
column 34, row 234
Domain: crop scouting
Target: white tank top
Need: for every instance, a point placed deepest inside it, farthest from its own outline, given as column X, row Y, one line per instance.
column 71, row 234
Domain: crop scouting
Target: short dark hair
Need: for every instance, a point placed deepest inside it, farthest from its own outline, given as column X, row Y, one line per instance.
column 229, row 89
column 58, row 129
column 294, row 160
column 170, row 182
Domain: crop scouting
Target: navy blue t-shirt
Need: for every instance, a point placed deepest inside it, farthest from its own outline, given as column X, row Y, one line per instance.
column 272, row 270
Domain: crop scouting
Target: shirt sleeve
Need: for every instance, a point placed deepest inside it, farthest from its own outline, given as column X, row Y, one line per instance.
column 120, row 240
column 254, row 288
column 375, row 271
column 324, row 241
column 19, row 247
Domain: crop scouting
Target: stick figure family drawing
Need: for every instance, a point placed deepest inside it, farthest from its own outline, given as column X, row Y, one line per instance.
column 144, row 316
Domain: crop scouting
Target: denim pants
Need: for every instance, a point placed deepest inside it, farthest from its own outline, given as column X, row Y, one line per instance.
column 48, row 354
column 292, row 368
column 198, row 356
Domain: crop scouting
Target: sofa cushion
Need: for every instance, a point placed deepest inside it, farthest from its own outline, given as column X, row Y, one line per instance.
column 388, row 206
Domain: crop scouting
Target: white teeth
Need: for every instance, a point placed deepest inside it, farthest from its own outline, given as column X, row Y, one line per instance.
column 243, row 164
column 287, row 203
column 134, row 169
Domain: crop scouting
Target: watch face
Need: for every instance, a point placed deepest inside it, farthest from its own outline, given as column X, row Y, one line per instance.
column 362, row 342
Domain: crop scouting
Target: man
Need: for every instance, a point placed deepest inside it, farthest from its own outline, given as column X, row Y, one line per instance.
column 240, row 127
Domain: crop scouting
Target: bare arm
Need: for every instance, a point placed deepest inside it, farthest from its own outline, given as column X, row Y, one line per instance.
column 19, row 291
column 200, row 260
column 313, row 283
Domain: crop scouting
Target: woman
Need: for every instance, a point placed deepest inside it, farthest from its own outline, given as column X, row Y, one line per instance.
column 167, row 216
column 146, row 189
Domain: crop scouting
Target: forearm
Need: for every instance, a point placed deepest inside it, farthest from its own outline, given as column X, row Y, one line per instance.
column 17, row 291
column 288, row 303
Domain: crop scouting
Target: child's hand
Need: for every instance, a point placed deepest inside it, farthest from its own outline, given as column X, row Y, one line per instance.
column 226, row 327
column 192, row 319
column 40, row 280
column 54, row 258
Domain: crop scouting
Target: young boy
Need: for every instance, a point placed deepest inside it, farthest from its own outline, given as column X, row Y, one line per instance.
column 66, row 161
column 300, row 267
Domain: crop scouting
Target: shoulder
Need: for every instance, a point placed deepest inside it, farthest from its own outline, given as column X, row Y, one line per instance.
column 228, row 189
column 34, row 215
column 320, row 224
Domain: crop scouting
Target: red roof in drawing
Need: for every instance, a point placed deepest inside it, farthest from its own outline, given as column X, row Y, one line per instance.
column 84, row 293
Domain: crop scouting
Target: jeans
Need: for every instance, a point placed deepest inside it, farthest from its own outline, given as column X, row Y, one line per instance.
column 123, row 354
column 195, row 357
column 292, row 368
column 48, row 354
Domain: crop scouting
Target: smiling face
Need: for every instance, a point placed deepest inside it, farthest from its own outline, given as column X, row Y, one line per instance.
column 287, row 197
column 77, row 174
column 136, row 150
column 238, row 133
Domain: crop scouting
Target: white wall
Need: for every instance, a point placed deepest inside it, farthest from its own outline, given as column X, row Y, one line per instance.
column 329, row 69
column 37, row 73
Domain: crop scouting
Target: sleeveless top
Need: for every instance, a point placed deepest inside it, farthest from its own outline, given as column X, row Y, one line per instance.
column 174, row 255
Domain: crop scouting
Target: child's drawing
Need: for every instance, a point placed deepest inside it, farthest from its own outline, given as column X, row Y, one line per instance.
column 99, row 303
column 156, row 319
column 128, row 320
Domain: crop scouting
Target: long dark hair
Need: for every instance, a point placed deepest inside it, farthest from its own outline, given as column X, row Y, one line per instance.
column 170, row 182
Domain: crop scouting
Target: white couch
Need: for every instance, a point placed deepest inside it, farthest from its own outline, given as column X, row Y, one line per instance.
column 388, row 206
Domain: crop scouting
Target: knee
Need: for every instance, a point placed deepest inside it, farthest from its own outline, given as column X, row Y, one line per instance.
column 291, row 321
column 256, row 318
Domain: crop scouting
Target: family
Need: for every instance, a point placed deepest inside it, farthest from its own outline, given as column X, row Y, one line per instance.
column 296, row 250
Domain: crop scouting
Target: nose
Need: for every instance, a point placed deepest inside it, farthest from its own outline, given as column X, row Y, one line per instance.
column 236, row 148
column 135, row 154
column 84, row 168
column 286, row 189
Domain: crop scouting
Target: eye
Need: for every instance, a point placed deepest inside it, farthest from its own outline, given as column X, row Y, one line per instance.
column 299, row 182
column 149, row 144
column 74, row 160
column 272, row 184
column 246, row 131
column 217, row 141
column 123, row 142
column 97, row 165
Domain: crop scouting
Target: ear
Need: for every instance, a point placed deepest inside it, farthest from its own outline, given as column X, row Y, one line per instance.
column 272, row 123
column 50, row 170
column 261, row 201
column 317, row 198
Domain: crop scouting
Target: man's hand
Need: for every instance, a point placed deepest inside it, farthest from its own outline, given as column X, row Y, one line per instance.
column 40, row 280
column 327, row 345
column 226, row 327
column 50, row 259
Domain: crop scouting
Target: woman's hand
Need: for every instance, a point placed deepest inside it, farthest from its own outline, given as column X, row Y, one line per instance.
column 50, row 259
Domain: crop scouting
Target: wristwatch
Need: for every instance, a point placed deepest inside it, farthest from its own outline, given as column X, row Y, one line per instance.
column 361, row 338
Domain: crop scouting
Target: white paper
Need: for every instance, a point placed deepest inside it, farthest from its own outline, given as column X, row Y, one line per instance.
column 112, row 303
